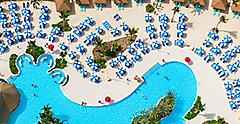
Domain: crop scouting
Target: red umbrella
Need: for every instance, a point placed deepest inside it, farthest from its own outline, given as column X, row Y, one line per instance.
column 108, row 99
column 51, row 47
column 187, row 59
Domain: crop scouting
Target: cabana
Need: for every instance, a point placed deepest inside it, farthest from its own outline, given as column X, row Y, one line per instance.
column 120, row 3
column 62, row 5
column 198, row 4
column 219, row 5
column 236, row 9
column 99, row 4
column 82, row 4
column 178, row 3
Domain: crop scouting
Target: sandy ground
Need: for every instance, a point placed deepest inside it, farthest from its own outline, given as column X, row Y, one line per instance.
column 210, row 86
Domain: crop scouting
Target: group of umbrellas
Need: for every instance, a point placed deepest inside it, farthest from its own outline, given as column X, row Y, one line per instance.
column 43, row 17
column 233, row 93
column 221, row 71
column 225, row 42
column 181, row 26
column 90, row 38
column 199, row 51
column 163, row 34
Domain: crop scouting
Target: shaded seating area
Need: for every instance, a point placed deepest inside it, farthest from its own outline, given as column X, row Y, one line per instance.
column 178, row 3
column 83, row 4
column 120, row 4
column 198, row 4
column 99, row 4
column 62, row 5
column 218, row 6
column 9, row 98
column 139, row 2
column 236, row 9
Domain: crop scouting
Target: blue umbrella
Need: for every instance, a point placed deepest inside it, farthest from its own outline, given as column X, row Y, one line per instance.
column 12, row 6
column 26, row 12
column 84, row 73
column 180, row 34
column 3, row 48
column 89, row 21
column 27, row 34
column 237, row 63
column 77, row 31
column 115, row 31
column 228, row 86
column 121, row 71
column 163, row 26
column 81, row 49
column 232, row 68
column 121, row 57
column 51, row 38
column 95, row 78
column 70, row 37
column 213, row 35
column 82, row 26
column 182, row 17
column 7, row 33
column 199, row 51
column 237, row 49
column 44, row 9
column 137, row 56
column 15, row 20
column 181, row 26
column 236, row 82
column 28, row 26
column 10, row 41
column 72, row 54
column 87, row 40
column 18, row 37
column 40, row 34
column 130, row 49
column 42, row 24
column 215, row 50
column 26, row 18
column 230, row 94
column 216, row 66
column 124, row 26
column 128, row 63
column 89, row 60
column 13, row 13
column 63, row 46
column 209, row 57
column 227, row 39
column 222, row 44
column 94, row 67
column 163, row 18
column 233, row 105
column 150, row 28
column 43, row 16
column 179, row 42
column 163, row 34
column 152, row 35
column 1, row 9
column 237, row 92
column 155, row 45
column 92, row 36
column 222, row 73
column 207, row 42
column 144, row 49
column 77, row 65
column 56, row 31
column 4, row 23
column 148, row 18
column 165, row 41
column 138, row 43
column 113, row 63
column 99, row 30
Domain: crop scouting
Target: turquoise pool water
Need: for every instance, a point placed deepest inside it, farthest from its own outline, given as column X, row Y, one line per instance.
column 159, row 79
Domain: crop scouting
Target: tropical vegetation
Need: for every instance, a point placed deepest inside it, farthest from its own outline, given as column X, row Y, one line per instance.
column 175, row 10
column 150, row 8
column 222, row 19
column 12, row 63
column 220, row 120
column 34, row 50
column 235, row 2
column 63, row 25
column 61, row 63
column 46, row 116
column 35, row 3
column 153, row 115
column 132, row 33
column 196, row 109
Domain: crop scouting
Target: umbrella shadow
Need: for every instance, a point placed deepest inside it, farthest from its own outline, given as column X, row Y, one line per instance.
column 208, row 115
column 231, row 33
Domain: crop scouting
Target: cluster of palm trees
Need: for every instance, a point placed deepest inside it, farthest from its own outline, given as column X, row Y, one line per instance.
column 46, row 117
column 132, row 33
column 161, row 110
column 222, row 19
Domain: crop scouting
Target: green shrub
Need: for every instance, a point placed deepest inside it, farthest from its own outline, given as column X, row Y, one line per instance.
column 109, row 53
column 150, row 8
column 220, row 120
column 101, row 63
column 34, row 50
column 12, row 63
column 196, row 109
column 61, row 63
column 46, row 116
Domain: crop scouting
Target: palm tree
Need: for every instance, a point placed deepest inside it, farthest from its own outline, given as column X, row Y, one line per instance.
column 222, row 19
column 35, row 3
column 132, row 33
column 175, row 10
column 99, row 41
column 235, row 2
column 64, row 15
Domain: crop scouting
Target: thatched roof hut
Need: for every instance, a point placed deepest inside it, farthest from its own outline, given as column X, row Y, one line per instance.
column 82, row 2
column 200, row 2
column 236, row 7
column 100, row 1
column 121, row 1
column 219, row 4
column 62, row 5
column 180, row 1
column 9, row 98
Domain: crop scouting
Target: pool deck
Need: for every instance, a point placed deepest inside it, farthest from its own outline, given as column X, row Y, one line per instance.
column 210, row 86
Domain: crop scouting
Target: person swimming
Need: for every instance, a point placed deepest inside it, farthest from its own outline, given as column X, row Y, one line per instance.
column 166, row 77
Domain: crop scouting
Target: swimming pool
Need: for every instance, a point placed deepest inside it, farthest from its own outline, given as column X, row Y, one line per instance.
column 180, row 79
